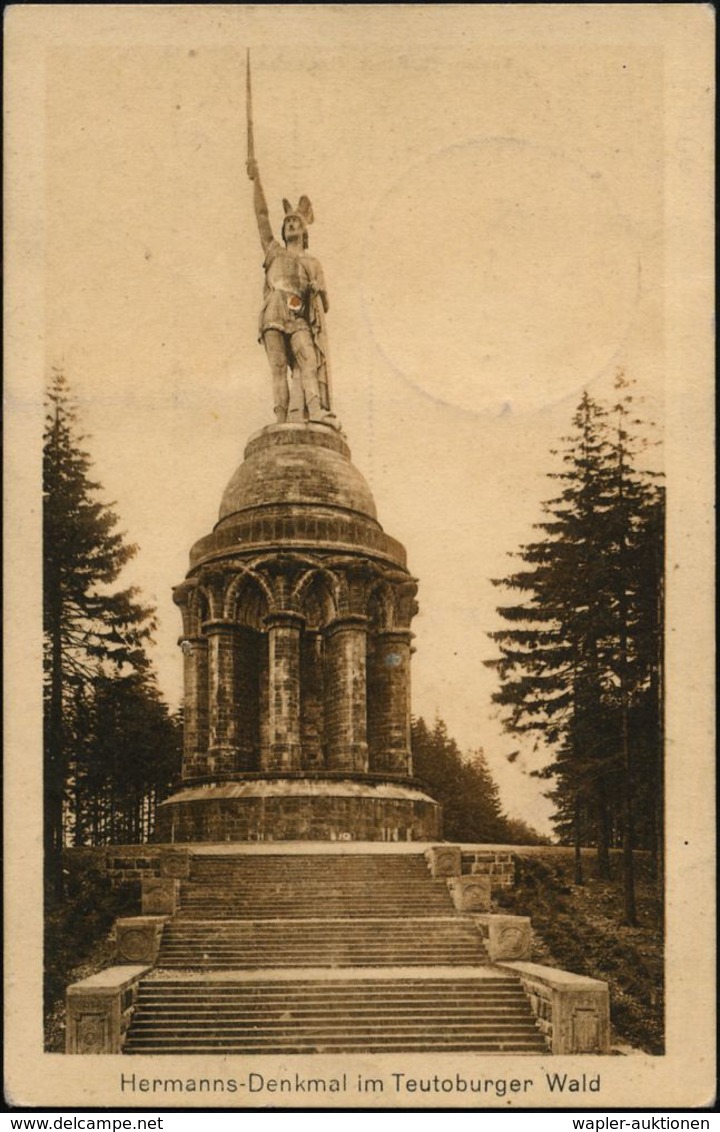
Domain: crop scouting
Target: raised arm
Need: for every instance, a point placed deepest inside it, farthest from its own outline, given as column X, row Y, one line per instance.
column 261, row 208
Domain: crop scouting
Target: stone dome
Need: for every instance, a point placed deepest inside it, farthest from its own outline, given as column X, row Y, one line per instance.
column 305, row 464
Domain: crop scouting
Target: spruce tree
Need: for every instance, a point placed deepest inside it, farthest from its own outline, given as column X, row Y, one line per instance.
column 465, row 788
column 88, row 626
column 580, row 663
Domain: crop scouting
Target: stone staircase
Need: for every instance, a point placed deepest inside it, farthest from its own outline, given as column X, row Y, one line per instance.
column 242, row 944
column 333, row 939
column 381, row 1015
column 308, row 886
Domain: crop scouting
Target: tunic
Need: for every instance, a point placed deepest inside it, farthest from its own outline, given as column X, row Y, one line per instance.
column 287, row 297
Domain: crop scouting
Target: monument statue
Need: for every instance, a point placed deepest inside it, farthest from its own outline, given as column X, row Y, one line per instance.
column 292, row 319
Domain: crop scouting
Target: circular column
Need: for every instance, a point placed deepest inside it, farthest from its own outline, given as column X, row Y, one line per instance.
column 283, row 708
column 389, row 654
column 222, row 753
column 346, row 693
column 195, row 704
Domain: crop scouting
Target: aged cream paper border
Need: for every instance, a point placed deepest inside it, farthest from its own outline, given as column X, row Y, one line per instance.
column 685, row 1076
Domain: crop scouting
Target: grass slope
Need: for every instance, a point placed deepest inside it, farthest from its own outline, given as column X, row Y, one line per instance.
column 580, row 928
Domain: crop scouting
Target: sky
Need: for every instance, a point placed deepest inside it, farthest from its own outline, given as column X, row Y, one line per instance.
column 489, row 215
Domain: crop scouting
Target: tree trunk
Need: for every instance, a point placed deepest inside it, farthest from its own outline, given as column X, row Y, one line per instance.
column 579, row 879
column 603, row 832
column 630, row 912
column 54, row 768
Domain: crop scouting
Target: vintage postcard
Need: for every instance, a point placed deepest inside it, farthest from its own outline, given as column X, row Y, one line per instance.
column 358, row 511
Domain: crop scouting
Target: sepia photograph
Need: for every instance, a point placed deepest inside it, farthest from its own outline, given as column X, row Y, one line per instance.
column 358, row 512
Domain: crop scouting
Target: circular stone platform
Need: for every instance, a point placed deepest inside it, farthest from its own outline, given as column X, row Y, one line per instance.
column 297, row 810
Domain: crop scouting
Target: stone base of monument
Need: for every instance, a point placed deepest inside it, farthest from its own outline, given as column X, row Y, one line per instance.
column 299, row 810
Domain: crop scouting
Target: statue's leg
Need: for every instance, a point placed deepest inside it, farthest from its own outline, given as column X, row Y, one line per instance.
column 296, row 409
column 277, row 357
column 303, row 349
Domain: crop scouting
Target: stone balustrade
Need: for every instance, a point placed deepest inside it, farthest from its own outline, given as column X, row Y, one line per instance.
column 99, row 1009
column 573, row 1011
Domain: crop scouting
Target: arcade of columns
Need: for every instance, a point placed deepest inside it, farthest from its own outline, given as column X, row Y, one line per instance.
column 297, row 664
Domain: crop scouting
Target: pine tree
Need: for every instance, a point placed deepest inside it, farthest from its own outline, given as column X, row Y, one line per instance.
column 581, row 662
column 464, row 786
column 634, row 550
column 88, row 627
column 127, row 762
column 552, row 657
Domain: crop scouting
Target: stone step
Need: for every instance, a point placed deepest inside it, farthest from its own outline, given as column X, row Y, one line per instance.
column 328, row 905
column 406, row 1044
column 258, row 861
column 350, row 986
column 500, row 1016
column 318, row 929
column 443, row 1029
column 259, row 963
column 313, row 884
column 312, row 999
column 431, row 1001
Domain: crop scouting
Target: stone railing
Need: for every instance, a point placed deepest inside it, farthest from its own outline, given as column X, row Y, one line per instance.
column 140, row 863
column 499, row 866
column 99, row 1010
column 573, row 1011
column 477, row 869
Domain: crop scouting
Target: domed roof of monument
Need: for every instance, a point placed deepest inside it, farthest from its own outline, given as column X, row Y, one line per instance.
column 297, row 464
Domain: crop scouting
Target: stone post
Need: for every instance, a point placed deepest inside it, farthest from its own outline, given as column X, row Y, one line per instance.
column 444, row 860
column 470, row 894
column 99, row 1009
column 160, row 896
column 222, row 709
column 506, row 937
column 138, row 938
column 284, row 750
column 346, row 694
column 195, row 722
column 389, row 702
